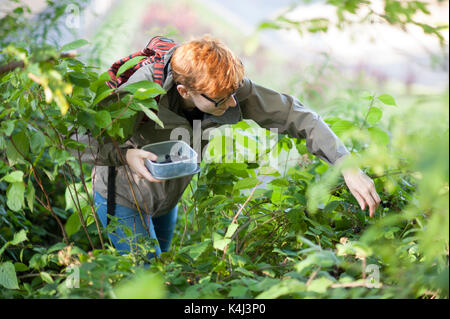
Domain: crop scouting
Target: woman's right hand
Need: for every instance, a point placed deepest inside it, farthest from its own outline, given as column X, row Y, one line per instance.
column 135, row 159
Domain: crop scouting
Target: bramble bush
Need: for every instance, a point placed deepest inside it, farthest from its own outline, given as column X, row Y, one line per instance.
column 299, row 235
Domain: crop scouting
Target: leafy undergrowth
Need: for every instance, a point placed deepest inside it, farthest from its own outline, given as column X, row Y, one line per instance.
column 300, row 234
column 236, row 241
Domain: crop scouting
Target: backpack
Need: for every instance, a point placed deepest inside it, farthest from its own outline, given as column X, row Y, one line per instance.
column 154, row 54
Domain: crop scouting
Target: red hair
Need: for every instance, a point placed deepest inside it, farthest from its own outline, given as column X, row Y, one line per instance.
column 206, row 65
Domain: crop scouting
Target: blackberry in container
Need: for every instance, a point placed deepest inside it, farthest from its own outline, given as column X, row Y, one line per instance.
column 175, row 159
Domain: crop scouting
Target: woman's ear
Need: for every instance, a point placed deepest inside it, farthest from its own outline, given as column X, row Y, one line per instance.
column 183, row 91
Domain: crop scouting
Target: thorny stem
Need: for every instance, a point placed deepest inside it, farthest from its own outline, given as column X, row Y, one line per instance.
column 195, row 209
column 236, row 216
column 48, row 206
column 90, row 199
column 185, row 227
column 268, row 236
column 254, row 219
column 367, row 115
column 78, row 206
column 79, row 212
column 84, row 186
column 313, row 275
column 20, row 64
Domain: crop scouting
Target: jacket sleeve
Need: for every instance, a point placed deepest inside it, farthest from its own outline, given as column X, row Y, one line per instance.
column 271, row 109
column 102, row 152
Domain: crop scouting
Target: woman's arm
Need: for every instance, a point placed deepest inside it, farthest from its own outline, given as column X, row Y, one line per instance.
column 271, row 109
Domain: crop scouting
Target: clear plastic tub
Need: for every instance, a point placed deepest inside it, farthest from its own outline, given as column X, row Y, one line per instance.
column 175, row 159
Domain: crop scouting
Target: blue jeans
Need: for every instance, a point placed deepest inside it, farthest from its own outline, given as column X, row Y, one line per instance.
column 160, row 228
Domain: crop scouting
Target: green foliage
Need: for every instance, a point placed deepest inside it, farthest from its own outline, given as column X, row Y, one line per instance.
column 349, row 12
column 253, row 224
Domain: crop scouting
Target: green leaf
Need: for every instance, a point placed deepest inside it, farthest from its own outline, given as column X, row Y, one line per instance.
column 19, row 237
column 213, row 201
column 129, row 64
column 144, row 94
column 231, row 230
column 281, row 182
column 18, row 148
column 374, row 115
column 242, row 125
column 284, row 287
column 378, row 136
column 7, row 127
column 245, row 183
column 73, row 224
column 220, row 242
column 387, row 99
column 102, row 96
column 102, row 119
column 341, row 126
column 46, row 277
column 238, row 291
column 101, row 80
column 4, row 247
column 150, row 114
column 16, row 176
column 76, row 101
column 319, row 285
column 20, row 267
column 143, row 86
column 15, row 196
column 8, row 277
column 269, row 25
column 86, row 119
column 198, row 249
column 331, row 206
column 79, row 78
column 144, row 285
column 74, row 45
column 37, row 142
column 245, row 272
column 74, row 191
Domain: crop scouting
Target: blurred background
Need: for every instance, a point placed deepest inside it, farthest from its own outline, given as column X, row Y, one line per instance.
column 403, row 60
column 375, row 70
column 329, row 54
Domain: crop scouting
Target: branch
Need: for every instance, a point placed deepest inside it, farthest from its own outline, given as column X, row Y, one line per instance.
column 48, row 206
column 91, row 203
column 20, row 64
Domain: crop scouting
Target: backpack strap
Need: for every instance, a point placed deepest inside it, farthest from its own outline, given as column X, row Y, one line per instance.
column 111, row 197
column 153, row 54
column 160, row 46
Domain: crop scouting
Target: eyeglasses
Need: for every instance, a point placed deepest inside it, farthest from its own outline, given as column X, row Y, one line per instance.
column 216, row 104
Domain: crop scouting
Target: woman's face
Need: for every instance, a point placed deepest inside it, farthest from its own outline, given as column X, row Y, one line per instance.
column 216, row 106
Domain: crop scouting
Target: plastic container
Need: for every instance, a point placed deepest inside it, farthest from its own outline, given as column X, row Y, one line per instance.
column 175, row 159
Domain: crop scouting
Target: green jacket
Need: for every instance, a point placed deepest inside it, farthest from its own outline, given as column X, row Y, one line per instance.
column 266, row 107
